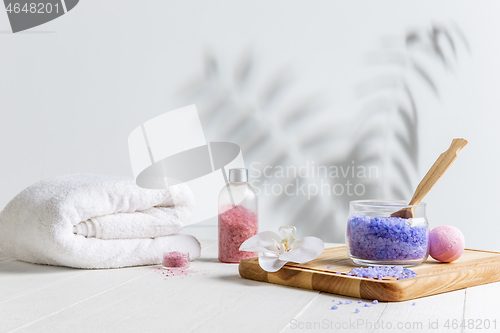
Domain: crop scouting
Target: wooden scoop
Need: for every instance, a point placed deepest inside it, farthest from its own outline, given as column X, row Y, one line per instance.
column 436, row 171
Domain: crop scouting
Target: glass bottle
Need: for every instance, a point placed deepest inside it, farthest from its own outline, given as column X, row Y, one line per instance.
column 375, row 238
column 238, row 218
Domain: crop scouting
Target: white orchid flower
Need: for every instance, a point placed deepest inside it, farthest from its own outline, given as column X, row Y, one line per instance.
column 276, row 252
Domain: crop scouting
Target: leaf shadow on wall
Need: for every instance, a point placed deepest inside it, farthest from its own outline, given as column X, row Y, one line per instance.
column 378, row 150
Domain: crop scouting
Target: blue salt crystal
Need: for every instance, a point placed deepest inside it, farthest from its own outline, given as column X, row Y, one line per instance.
column 375, row 301
column 386, row 238
column 360, row 301
column 367, row 305
column 382, row 271
column 334, row 307
column 356, row 311
column 340, row 302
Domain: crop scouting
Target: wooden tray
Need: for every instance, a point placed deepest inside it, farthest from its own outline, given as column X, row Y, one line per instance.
column 472, row 269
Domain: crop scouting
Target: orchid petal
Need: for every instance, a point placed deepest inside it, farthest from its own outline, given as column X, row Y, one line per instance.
column 304, row 250
column 282, row 248
column 288, row 239
column 262, row 242
column 270, row 264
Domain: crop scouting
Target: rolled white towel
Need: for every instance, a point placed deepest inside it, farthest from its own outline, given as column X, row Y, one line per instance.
column 92, row 221
column 166, row 218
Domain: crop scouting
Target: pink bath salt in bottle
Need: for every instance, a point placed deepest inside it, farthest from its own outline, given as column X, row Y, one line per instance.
column 237, row 217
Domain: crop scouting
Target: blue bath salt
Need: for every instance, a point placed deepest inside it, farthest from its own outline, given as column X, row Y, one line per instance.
column 356, row 311
column 334, row 307
column 379, row 272
column 386, row 238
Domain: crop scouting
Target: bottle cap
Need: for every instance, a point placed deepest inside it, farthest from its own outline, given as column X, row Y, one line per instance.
column 239, row 175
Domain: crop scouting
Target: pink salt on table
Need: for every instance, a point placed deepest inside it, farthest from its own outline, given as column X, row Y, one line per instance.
column 236, row 225
column 175, row 259
column 178, row 272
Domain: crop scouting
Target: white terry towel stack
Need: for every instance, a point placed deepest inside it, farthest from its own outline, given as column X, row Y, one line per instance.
column 93, row 221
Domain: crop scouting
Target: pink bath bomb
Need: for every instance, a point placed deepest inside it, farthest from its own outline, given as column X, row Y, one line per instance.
column 447, row 243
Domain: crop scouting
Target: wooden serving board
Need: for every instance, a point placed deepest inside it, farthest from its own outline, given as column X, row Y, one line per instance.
column 472, row 269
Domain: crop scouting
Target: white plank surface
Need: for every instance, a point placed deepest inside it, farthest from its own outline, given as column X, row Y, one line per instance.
column 18, row 278
column 213, row 298
column 482, row 312
column 319, row 317
column 428, row 313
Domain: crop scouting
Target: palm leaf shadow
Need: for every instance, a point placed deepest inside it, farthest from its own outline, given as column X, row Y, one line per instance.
column 275, row 129
column 402, row 158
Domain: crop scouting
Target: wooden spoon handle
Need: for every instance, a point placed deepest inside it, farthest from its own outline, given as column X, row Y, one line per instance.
column 437, row 170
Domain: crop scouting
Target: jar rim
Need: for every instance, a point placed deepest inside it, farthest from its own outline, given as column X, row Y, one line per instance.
column 384, row 202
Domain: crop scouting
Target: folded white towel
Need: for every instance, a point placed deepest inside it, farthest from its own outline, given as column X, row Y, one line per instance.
column 92, row 221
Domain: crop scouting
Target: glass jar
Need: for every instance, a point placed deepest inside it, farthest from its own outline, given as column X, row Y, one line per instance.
column 375, row 238
column 238, row 218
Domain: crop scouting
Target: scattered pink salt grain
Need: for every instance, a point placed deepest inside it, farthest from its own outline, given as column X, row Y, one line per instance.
column 175, row 259
column 178, row 272
column 236, row 225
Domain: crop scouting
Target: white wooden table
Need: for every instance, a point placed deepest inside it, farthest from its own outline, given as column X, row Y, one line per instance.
column 37, row 298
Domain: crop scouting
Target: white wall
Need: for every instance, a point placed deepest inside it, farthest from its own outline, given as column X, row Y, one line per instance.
column 73, row 89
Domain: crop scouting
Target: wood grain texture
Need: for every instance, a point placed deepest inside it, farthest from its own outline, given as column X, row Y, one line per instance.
column 472, row 269
column 39, row 298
